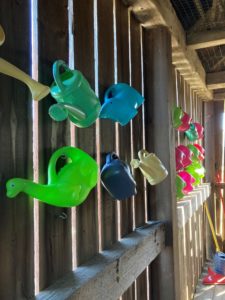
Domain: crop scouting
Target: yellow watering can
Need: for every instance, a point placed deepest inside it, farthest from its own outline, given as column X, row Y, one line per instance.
column 150, row 166
column 37, row 89
column 2, row 36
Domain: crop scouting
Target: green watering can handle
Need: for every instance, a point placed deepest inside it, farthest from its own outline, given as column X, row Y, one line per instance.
column 57, row 74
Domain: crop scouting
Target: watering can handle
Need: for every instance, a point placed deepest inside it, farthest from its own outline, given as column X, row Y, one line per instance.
column 110, row 157
column 56, row 73
column 142, row 154
column 108, row 91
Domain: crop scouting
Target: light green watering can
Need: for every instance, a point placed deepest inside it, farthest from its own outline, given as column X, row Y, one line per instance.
column 150, row 166
column 76, row 100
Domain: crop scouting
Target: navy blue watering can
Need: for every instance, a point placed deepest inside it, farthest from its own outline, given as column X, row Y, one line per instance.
column 121, row 102
column 116, row 177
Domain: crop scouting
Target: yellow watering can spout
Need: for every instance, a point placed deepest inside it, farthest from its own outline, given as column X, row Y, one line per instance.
column 2, row 36
column 37, row 89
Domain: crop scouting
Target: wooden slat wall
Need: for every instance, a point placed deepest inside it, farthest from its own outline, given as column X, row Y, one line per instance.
column 55, row 232
column 87, row 214
column 107, row 127
column 16, row 218
column 107, row 46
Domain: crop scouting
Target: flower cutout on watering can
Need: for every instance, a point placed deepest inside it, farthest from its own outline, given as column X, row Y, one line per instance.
column 189, row 181
column 38, row 90
column 197, row 171
column 2, row 36
column 76, row 100
column 181, row 120
column 121, row 102
column 183, row 157
column 117, row 179
column 180, row 185
column 195, row 132
column 69, row 187
column 150, row 166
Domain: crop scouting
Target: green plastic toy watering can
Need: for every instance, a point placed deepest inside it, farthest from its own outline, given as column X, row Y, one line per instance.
column 76, row 100
column 69, row 187
column 150, row 166
column 197, row 171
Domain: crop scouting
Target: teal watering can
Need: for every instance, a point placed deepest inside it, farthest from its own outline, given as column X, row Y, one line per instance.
column 121, row 102
column 76, row 100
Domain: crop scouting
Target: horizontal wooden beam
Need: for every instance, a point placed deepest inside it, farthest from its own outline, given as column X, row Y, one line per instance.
column 205, row 39
column 109, row 274
column 219, row 96
column 152, row 13
column 215, row 80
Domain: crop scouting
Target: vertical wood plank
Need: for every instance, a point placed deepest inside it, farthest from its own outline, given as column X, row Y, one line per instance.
column 122, row 28
column 218, row 110
column 123, row 68
column 136, row 76
column 107, row 127
column 158, row 93
column 87, row 213
column 139, row 200
column 16, row 215
column 210, row 149
column 55, row 232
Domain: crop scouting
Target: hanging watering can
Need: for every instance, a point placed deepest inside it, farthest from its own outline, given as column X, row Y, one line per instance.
column 189, row 181
column 183, row 157
column 69, row 187
column 121, row 102
column 76, row 100
column 37, row 89
column 2, row 36
column 116, row 177
column 201, row 151
column 195, row 152
column 180, row 119
column 195, row 132
column 197, row 171
column 150, row 166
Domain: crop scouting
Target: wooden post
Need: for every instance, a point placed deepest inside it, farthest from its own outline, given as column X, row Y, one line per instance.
column 161, row 141
column 209, row 145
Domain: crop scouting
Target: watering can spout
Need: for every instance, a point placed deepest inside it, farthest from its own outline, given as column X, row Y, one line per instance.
column 37, row 89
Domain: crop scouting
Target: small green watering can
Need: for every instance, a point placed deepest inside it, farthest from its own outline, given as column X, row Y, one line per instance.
column 76, row 100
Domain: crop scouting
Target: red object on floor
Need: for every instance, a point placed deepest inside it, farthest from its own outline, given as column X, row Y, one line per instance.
column 213, row 278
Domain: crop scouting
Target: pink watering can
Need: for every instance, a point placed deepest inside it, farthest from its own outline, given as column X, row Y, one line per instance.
column 188, row 179
column 183, row 157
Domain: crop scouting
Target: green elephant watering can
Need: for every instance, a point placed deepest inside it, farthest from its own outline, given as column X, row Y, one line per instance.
column 76, row 100
column 69, row 187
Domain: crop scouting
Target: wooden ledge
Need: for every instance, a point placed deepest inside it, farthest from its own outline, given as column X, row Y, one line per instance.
column 109, row 274
column 191, row 203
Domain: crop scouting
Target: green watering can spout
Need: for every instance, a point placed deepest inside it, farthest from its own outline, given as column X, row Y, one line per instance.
column 69, row 187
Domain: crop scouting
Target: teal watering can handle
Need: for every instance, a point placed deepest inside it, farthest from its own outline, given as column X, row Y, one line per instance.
column 57, row 75
column 109, row 92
